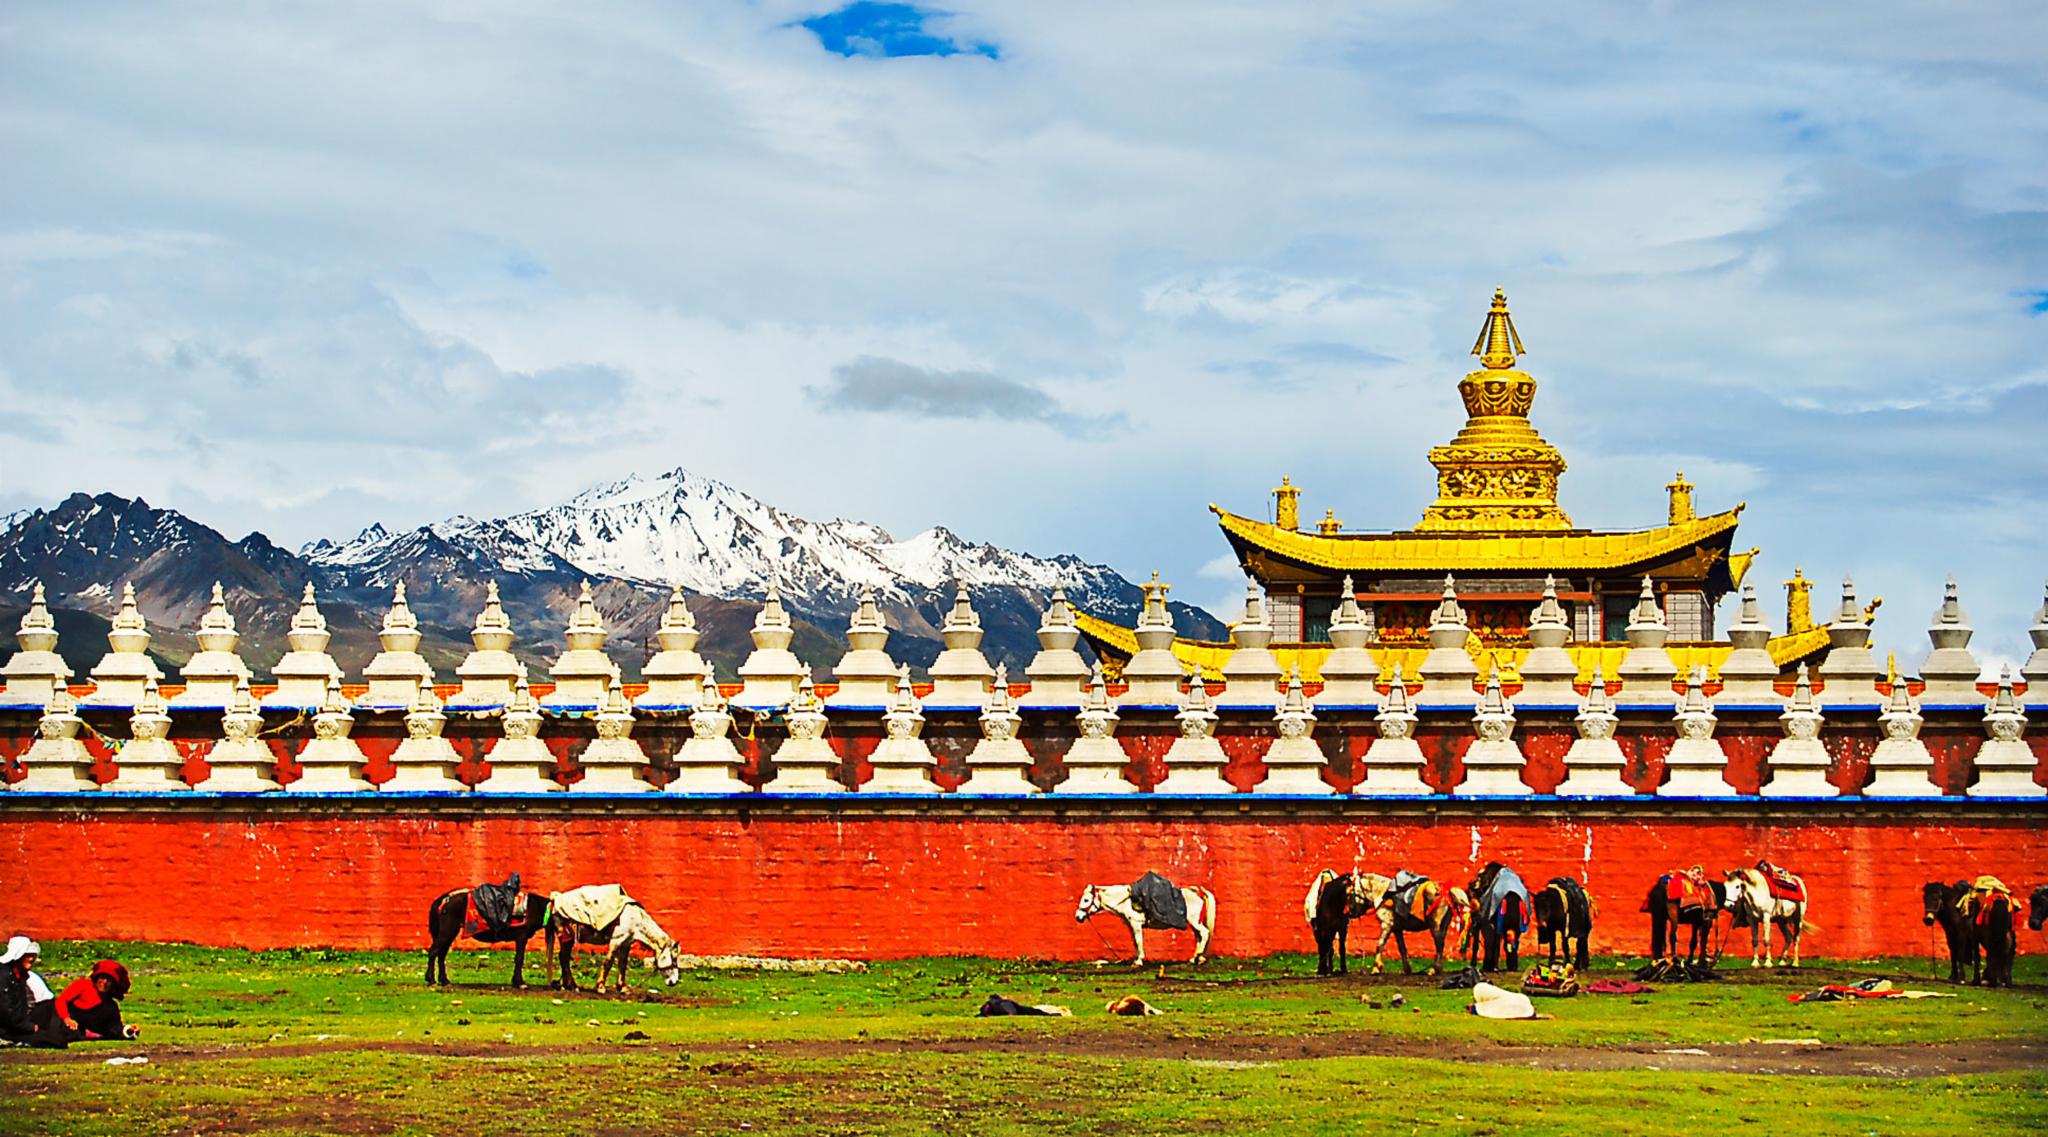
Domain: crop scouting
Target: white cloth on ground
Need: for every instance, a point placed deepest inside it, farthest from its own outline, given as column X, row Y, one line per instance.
column 1491, row 1002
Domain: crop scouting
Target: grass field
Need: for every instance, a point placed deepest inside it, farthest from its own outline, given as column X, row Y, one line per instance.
column 354, row 1043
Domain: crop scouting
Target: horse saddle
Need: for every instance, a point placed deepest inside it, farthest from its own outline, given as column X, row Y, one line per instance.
column 1682, row 890
column 1783, row 886
column 500, row 905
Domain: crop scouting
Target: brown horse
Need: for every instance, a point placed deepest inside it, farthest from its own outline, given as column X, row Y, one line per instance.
column 1993, row 914
column 1943, row 904
column 1433, row 907
column 1698, row 908
column 1334, row 900
column 1564, row 920
column 446, row 918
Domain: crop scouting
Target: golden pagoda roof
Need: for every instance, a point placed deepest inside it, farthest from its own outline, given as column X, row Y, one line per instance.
column 1428, row 553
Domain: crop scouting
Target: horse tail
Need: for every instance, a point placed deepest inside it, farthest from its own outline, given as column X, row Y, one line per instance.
column 1315, row 894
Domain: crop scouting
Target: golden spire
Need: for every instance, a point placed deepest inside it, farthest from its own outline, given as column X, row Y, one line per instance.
column 1329, row 525
column 1798, row 603
column 1498, row 345
column 1681, row 499
column 1287, row 505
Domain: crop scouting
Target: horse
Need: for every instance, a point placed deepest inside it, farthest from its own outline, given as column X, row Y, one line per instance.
column 1748, row 896
column 1564, row 917
column 1668, row 912
column 1116, row 899
column 1993, row 915
column 1442, row 907
column 2037, row 909
column 633, row 924
column 1943, row 904
column 1500, row 916
column 1333, row 902
column 446, row 917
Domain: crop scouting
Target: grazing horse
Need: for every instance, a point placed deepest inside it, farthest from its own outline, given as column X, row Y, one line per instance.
column 1748, row 897
column 1334, row 900
column 446, row 918
column 1697, row 907
column 1943, row 904
column 1564, row 920
column 2037, row 909
column 1435, row 908
column 1500, row 914
column 1116, row 899
column 633, row 925
column 1993, row 915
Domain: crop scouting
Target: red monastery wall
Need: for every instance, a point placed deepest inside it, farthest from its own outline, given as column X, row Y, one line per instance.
column 954, row 877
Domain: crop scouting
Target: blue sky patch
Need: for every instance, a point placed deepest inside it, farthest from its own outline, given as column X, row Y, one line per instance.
column 2039, row 300
column 879, row 30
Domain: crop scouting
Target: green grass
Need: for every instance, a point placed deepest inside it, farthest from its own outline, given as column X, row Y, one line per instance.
column 354, row 1043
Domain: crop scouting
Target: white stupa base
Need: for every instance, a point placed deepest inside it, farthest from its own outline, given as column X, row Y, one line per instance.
column 1592, row 768
column 1195, row 766
column 331, row 766
column 613, row 766
column 1901, row 768
column 1096, row 766
column 902, row 766
column 2006, row 769
column 805, row 767
column 148, row 766
column 998, row 767
column 1493, row 768
column 240, row 768
column 1696, row 767
column 1295, row 766
column 425, row 765
column 1393, row 767
column 520, row 766
column 1062, row 691
column 1799, row 768
column 708, row 766
column 57, row 766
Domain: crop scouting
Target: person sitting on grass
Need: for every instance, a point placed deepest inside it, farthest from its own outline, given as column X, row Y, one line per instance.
column 92, row 1006
column 17, row 1004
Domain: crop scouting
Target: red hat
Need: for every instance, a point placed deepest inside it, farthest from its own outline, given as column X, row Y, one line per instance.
column 116, row 976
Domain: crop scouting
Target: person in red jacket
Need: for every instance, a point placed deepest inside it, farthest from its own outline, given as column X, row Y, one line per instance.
column 92, row 1005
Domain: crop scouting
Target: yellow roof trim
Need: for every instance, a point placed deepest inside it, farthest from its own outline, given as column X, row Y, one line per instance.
column 1419, row 552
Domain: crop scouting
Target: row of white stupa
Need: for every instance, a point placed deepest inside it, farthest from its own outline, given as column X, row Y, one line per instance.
column 962, row 677
column 708, row 762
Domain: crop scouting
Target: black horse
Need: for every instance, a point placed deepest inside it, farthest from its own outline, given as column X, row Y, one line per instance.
column 1669, row 913
column 1995, row 914
column 1564, row 920
column 1942, row 904
column 2037, row 909
column 1500, row 916
column 1332, row 907
column 446, row 918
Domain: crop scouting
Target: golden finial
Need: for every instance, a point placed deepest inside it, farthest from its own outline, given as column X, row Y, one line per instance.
column 1498, row 345
column 1798, row 603
column 1287, row 505
column 1891, row 668
column 1681, row 499
column 1155, row 587
column 1329, row 525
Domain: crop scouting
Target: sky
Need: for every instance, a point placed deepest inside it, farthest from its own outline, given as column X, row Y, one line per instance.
column 1054, row 275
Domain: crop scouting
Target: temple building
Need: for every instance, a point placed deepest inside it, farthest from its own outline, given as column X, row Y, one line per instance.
column 1497, row 531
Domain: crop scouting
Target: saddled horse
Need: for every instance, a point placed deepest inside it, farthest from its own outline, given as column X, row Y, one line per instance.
column 1750, row 898
column 1334, row 900
column 633, row 925
column 1500, row 914
column 1696, row 904
column 1564, row 920
column 1433, row 907
column 1116, row 899
column 1943, row 904
column 2037, row 909
column 446, row 920
column 1994, row 914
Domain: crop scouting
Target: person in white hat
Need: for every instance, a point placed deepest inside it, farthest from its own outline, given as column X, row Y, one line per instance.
column 17, row 998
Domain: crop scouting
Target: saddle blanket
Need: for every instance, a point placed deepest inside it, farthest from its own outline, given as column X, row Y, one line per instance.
column 1783, row 887
column 1686, row 891
column 593, row 905
column 479, row 927
column 1160, row 902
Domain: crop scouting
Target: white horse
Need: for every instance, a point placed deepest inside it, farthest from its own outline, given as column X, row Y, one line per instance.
column 1116, row 898
column 1751, row 902
column 634, row 925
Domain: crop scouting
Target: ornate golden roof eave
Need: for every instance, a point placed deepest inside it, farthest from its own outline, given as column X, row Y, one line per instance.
column 1420, row 552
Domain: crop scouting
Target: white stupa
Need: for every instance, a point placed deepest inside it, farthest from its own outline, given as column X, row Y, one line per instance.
column 902, row 762
column 676, row 673
column 490, row 673
column 57, row 762
column 303, row 674
column 214, row 671
column 241, row 762
column 520, row 763
column 1950, row 671
column 126, row 670
column 399, row 673
column 1152, row 677
column 771, row 673
column 961, row 675
column 1251, row 673
column 1058, row 674
column 1646, row 671
column 1749, row 672
column 1295, row 761
column 1449, row 670
column 1493, row 763
column 2035, row 670
column 36, row 671
column 1548, row 670
column 999, row 764
column 1349, row 670
column 613, row 763
column 1592, row 767
column 1799, row 763
column 425, row 761
column 1901, row 765
column 1195, row 761
column 2005, row 763
column 584, row 674
column 1696, row 765
column 866, row 674
column 1394, row 763
column 332, row 763
column 708, row 762
column 805, row 763
column 148, row 762
column 1851, row 671
column 1095, row 762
